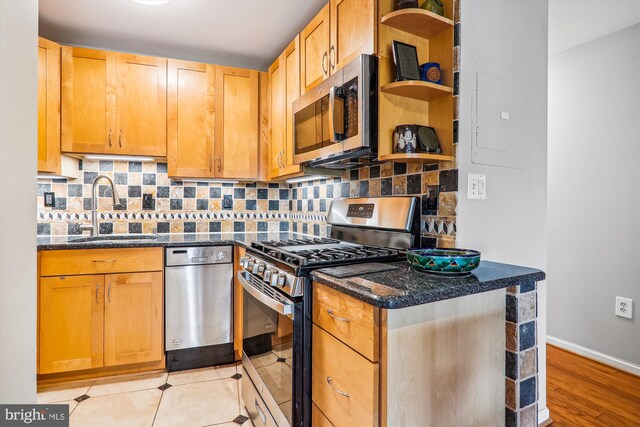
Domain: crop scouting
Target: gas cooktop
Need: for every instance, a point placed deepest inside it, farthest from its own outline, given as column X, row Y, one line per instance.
column 322, row 251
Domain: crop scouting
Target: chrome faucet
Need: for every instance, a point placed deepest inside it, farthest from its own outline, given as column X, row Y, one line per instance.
column 93, row 228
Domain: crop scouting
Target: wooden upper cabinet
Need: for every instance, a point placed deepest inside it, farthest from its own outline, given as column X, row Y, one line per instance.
column 48, row 106
column 292, row 92
column 88, row 100
column 314, row 50
column 133, row 322
column 113, row 103
column 277, row 108
column 236, row 123
column 71, row 323
column 190, row 119
column 141, row 105
column 353, row 24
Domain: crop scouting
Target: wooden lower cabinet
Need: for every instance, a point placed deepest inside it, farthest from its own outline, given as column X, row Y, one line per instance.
column 71, row 323
column 436, row 364
column 90, row 323
column 133, row 318
column 345, row 384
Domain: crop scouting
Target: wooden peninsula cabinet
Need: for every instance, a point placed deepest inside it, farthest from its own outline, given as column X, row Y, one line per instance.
column 100, row 308
column 419, row 365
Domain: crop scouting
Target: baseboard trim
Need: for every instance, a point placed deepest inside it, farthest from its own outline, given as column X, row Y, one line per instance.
column 605, row 359
column 544, row 417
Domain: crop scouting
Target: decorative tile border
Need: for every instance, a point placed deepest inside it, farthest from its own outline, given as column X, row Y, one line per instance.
column 521, row 370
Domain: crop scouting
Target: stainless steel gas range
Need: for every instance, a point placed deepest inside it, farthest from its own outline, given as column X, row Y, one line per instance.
column 277, row 303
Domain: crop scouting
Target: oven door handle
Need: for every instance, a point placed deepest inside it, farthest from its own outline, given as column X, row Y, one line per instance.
column 284, row 309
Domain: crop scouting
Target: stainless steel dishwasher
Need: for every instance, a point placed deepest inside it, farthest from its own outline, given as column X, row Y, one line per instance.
column 198, row 294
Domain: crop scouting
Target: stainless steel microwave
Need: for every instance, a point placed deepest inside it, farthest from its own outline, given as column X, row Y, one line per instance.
column 336, row 123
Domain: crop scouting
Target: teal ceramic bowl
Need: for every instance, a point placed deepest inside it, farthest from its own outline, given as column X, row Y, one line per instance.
column 444, row 261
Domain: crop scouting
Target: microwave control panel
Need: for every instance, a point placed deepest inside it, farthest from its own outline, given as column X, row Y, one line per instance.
column 360, row 210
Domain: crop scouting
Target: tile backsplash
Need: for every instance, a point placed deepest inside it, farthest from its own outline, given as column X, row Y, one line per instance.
column 436, row 186
column 190, row 207
column 177, row 207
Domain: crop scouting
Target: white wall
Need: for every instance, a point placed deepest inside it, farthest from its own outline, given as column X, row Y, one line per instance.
column 18, row 140
column 594, row 193
column 509, row 38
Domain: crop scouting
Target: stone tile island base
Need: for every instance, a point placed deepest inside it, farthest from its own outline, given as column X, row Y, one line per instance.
column 521, row 371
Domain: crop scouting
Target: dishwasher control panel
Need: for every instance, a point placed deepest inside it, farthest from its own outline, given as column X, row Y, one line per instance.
column 197, row 255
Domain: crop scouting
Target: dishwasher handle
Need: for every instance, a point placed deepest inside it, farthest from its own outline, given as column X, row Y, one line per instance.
column 282, row 308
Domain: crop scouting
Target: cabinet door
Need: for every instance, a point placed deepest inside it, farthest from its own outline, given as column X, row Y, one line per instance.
column 48, row 106
column 190, row 119
column 142, row 105
column 292, row 92
column 314, row 51
column 133, row 323
column 277, row 108
column 88, row 101
column 236, row 129
column 71, row 323
column 352, row 30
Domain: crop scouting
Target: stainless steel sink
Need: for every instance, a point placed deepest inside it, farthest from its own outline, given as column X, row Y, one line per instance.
column 113, row 238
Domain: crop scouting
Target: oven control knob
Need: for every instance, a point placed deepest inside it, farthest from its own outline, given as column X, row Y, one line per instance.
column 282, row 279
column 267, row 275
column 274, row 278
column 249, row 265
column 256, row 267
column 242, row 260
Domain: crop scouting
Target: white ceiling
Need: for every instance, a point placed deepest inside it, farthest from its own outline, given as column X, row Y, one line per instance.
column 242, row 33
column 575, row 22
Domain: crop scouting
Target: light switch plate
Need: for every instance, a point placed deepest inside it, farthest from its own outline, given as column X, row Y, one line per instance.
column 477, row 187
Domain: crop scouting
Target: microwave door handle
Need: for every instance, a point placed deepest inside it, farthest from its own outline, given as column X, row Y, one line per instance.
column 284, row 309
column 333, row 134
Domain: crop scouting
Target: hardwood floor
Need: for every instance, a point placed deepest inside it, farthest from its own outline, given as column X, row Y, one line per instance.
column 581, row 392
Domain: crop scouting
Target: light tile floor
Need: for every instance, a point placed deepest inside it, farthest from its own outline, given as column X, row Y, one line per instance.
column 196, row 398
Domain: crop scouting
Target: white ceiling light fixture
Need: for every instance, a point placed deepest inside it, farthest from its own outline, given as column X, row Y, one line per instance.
column 151, row 2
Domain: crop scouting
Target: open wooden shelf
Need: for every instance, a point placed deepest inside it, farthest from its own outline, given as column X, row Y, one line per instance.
column 415, row 158
column 417, row 89
column 418, row 22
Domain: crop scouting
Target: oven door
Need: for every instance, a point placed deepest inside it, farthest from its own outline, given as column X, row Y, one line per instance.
column 267, row 348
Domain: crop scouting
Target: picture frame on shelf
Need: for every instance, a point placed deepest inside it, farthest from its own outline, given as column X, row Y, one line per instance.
column 405, row 58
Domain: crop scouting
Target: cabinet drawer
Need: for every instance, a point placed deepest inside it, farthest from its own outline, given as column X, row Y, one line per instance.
column 345, row 384
column 352, row 321
column 99, row 261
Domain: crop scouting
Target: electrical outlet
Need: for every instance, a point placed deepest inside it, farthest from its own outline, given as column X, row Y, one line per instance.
column 477, row 186
column 624, row 307
column 49, row 199
column 147, row 202
column 227, row 202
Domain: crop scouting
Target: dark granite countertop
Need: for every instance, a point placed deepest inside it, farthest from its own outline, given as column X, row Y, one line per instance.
column 399, row 288
column 406, row 287
column 169, row 240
